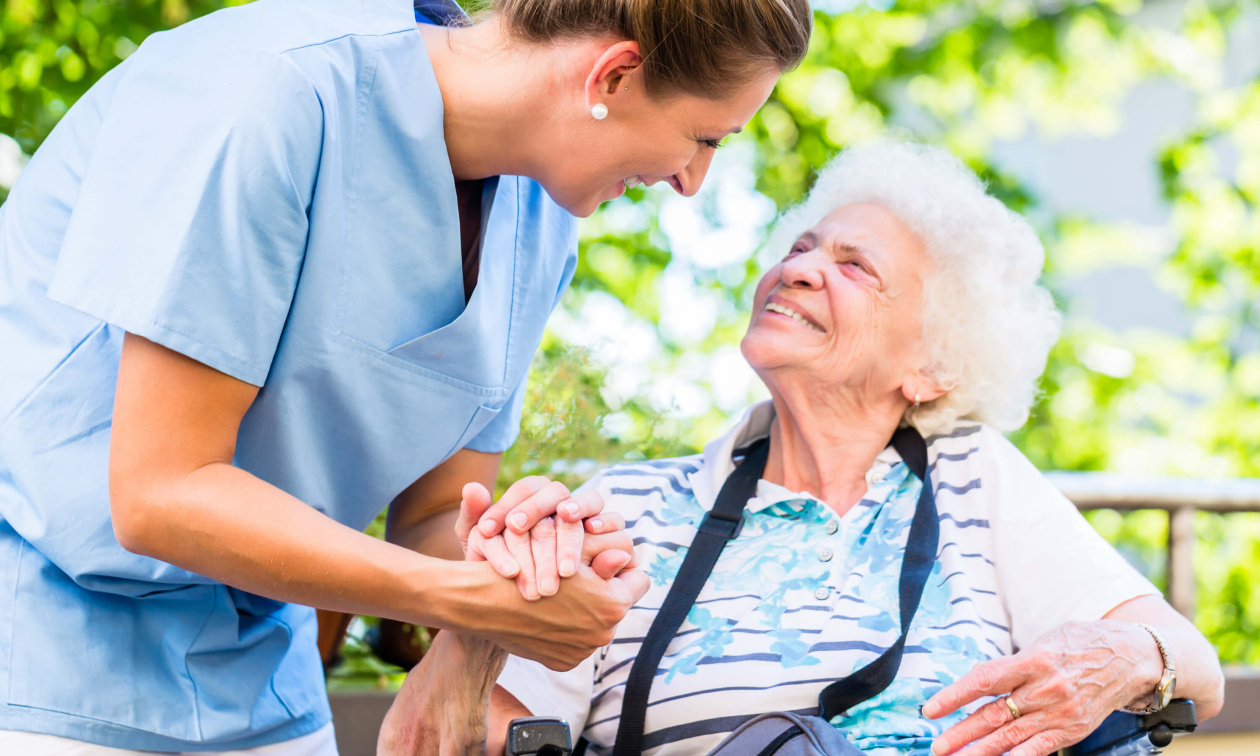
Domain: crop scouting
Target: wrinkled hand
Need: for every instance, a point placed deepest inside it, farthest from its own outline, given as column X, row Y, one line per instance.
column 1064, row 685
column 549, row 534
column 441, row 708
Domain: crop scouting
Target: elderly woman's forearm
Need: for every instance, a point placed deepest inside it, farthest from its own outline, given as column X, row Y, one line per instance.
column 443, row 706
column 1199, row 675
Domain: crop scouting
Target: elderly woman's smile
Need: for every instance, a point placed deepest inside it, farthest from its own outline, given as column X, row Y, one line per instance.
column 844, row 304
column 778, row 306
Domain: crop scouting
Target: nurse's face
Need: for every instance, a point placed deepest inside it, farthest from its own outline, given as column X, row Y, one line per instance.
column 649, row 141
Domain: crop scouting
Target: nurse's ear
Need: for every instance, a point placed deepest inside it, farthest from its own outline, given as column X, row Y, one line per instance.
column 608, row 81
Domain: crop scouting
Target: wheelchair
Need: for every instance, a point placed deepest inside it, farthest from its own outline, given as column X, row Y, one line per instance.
column 1120, row 734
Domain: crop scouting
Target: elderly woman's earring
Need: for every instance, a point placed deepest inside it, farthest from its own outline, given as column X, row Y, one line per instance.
column 600, row 111
column 916, row 400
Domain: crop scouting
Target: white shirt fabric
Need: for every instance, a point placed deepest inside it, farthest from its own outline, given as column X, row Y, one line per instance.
column 804, row 597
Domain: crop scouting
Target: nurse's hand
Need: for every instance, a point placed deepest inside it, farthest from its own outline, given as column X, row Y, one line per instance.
column 558, row 632
column 553, row 548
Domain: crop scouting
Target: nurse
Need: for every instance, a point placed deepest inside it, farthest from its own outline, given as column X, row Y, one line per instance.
column 286, row 266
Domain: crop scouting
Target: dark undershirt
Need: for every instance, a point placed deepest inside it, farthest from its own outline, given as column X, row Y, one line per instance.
column 468, row 194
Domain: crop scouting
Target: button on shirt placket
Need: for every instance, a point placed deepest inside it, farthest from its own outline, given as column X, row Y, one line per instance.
column 826, row 553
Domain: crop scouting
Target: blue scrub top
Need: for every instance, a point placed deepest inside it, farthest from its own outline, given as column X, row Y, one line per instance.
column 267, row 191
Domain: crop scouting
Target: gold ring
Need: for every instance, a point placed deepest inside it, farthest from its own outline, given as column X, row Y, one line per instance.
column 1011, row 705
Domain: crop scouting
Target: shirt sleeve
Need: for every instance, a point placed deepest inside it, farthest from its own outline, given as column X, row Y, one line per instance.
column 552, row 694
column 1052, row 566
column 191, row 222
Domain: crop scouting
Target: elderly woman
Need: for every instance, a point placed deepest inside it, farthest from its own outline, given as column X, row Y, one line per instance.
column 906, row 296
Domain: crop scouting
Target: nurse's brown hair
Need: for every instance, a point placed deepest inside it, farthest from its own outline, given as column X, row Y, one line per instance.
column 697, row 47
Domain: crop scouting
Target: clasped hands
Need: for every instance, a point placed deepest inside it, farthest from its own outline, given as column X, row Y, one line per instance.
column 538, row 533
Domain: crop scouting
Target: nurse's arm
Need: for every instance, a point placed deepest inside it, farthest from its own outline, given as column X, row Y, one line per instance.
column 422, row 518
column 175, row 496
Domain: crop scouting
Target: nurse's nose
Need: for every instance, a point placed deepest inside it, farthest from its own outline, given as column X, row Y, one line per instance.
column 687, row 181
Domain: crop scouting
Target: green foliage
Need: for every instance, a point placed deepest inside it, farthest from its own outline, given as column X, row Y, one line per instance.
column 51, row 51
column 566, row 433
column 964, row 73
column 359, row 668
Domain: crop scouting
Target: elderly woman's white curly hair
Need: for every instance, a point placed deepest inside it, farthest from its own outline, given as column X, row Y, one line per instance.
column 988, row 322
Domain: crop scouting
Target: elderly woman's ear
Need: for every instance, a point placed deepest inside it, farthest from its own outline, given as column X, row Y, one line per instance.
column 922, row 390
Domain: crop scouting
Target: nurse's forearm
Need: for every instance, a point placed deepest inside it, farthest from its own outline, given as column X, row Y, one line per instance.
column 175, row 495
column 224, row 523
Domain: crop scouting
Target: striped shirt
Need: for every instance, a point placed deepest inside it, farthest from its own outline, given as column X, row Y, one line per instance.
column 804, row 596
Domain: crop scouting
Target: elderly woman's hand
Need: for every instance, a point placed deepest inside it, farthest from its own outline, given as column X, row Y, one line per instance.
column 1063, row 686
column 562, row 531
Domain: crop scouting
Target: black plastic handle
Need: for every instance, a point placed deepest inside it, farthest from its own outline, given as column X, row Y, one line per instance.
column 544, row 736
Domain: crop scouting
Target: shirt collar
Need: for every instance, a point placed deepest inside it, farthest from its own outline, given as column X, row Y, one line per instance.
column 717, row 463
column 439, row 13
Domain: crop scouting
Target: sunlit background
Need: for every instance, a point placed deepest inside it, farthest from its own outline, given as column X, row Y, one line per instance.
column 1128, row 131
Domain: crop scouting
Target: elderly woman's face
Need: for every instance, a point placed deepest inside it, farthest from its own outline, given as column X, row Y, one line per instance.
column 843, row 308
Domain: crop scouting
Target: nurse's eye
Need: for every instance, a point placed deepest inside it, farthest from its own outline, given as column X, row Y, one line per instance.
column 712, row 144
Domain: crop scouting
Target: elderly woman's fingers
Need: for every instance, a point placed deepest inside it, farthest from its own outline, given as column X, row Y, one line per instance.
column 569, row 529
column 991, row 718
column 618, row 541
column 526, row 580
column 990, row 678
column 569, row 539
column 606, row 522
column 474, row 502
column 609, row 564
column 495, row 551
column 1044, row 743
column 493, row 519
column 1005, row 738
column 542, row 540
column 545, row 502
column 581, row 506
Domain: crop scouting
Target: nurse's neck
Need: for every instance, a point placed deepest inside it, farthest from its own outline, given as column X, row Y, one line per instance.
column 504, row 100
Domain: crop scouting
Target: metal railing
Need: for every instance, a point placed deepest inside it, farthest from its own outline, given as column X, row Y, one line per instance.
column 1180, row 498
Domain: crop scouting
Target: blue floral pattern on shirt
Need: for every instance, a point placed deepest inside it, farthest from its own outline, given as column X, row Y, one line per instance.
column 775, row 558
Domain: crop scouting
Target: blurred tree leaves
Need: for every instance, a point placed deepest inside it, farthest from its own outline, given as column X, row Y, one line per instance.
column 51, row 51
column 965, row 73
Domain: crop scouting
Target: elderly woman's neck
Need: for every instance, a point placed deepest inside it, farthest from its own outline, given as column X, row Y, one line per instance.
column 827, row 450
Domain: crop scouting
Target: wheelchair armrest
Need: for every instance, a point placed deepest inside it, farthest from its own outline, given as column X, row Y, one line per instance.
column 1122, row 733
column 538, row 736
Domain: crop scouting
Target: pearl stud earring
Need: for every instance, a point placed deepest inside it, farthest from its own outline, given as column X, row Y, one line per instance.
column 600, row 111
column 916, row 399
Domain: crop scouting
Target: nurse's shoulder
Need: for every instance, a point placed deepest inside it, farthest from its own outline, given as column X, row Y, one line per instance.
column 280, row 26
column 241, row 53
